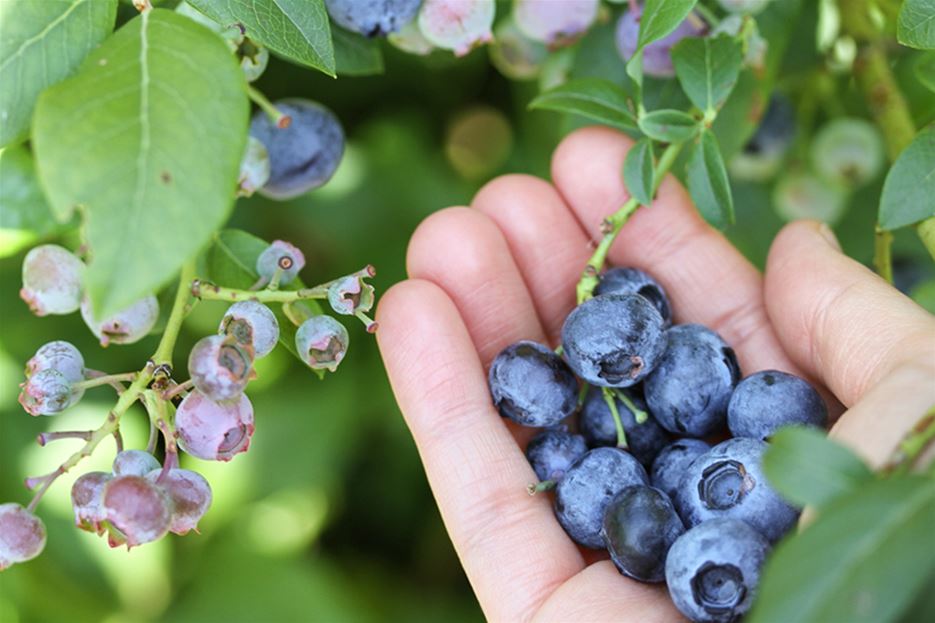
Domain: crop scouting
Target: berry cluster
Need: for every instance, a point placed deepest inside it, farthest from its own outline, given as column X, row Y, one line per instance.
column 207, row 416
column 638, row 478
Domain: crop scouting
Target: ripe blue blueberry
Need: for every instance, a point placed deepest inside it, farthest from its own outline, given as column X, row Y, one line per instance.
column 373, row 18
column 554, row 23
column 303, row 155
column 322, row 342
column 220, row 367
column 688, row 391
column 635, row 281
column 656, row 59
column 596, row 423
column 672, row 462
column 52, row 278
column 588, row 487
column 764, row 402
column 613, row 340
column 58, row 355
column 48, row 392
column 457, row 25
column 640, row 525
column 282, row 258
column 531, row 385
column 22, row 535
column 134, row 463
column 728, row 481
column 127, row 326
column 252, row 324
column 713, row 570
column 551, row 452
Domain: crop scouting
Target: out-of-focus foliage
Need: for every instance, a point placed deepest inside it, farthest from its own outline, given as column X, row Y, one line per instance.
column 329, row 517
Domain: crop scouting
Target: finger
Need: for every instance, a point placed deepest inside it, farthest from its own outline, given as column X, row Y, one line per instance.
column 600, row 593
column 464, row 253
column 707, row 279
column 548, row 245
column 511, row 547
column 838, row 320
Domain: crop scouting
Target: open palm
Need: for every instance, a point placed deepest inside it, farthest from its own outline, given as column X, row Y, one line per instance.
column 505, row 269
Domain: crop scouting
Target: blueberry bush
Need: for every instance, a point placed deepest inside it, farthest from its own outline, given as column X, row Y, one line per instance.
column 174, row 173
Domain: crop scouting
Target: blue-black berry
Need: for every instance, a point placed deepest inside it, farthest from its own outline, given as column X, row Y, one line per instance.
column 531, row 385
column 551, row 452
column 670, row 464
column 635, row 281
column 766, row 401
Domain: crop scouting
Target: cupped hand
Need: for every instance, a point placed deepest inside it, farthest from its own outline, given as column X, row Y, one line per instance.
column 505, row 269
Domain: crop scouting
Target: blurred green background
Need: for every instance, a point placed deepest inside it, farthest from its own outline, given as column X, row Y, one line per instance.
column 329, row 516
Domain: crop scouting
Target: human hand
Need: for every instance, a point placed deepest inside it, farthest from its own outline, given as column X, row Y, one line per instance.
column 505, row 269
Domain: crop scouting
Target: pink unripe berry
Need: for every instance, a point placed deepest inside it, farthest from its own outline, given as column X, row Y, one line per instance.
column 48, row 392
column 134, row 463
column 22, row 535
column 58, row 355
column 191, row 497
column 127, row 326
column 656, row 58
column 52, row 280
column 214, row 431
column 554, row 22
column 322, row 342
column 457, row 25
column 138, row 511
column 87, row 501
column 251, row 324
column 281, row 256
column 350, row 295
column 220, row 367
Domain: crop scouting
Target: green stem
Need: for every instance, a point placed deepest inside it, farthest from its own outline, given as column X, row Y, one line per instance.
column 539, row 487
column 918, row 439
column 207, row 291
column 107, row 379
column 638, row 414
column 163, row 355
column 615, row 222
column 883, row 253
column 611, row 401
column 926, row 231
column 281, row 119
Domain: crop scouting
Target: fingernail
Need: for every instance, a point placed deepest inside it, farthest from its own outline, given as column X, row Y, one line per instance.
column 829, row 236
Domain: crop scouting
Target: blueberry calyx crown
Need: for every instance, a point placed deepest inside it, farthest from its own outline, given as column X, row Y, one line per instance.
column 724, row 484
column 718, row 588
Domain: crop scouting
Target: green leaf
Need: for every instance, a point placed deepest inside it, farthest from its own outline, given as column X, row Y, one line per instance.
column 909, row 188
column 925, row 70
column 708, row 183
column 355, row 55
column 231, row 262
column 862, row 561
column 707, row 69
column 594, row 98
column 669, row 126
column 808, row 468
column 638, row 174
column 296, row 29
column 40, row 44
column 24, row 213
column 915, row 27
column 661, row 17
column 147, row 139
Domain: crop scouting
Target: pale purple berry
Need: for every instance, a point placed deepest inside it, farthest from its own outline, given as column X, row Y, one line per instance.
column 281, row 256
column 254, row 168
column 22, row 535
column 52, row 280
column 58, row 355
column 87, row 501
column 220, row 367
column 214, row 431
column 251, row 324
column 457, row 25
column 48, row 392
column 191, row 497
column 656, row 59
column 554, row 23
column 350, row 295
column 514, row 54
column 127, row 326
column 138, row 511
column 134, row 463
column 322, row 342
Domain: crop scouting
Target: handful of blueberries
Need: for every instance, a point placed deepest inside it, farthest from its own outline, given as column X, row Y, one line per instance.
column 702, row 518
